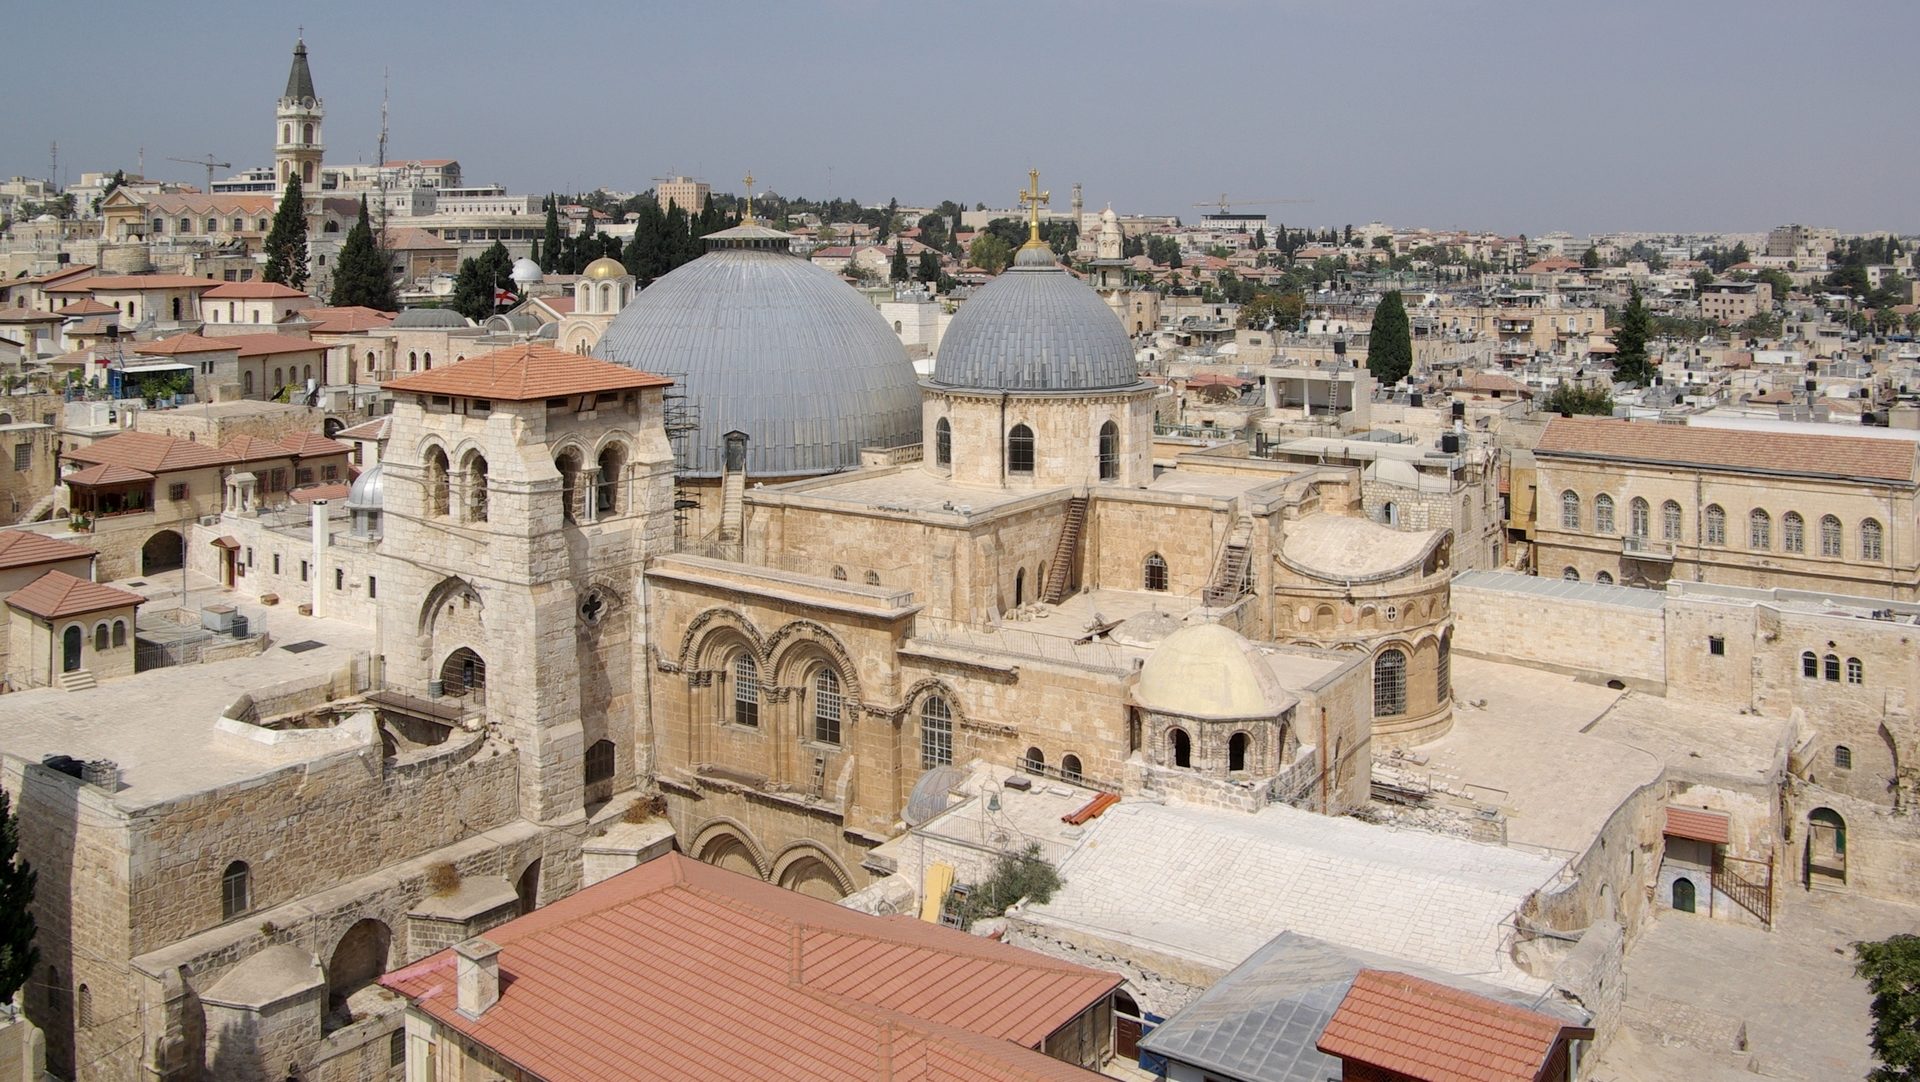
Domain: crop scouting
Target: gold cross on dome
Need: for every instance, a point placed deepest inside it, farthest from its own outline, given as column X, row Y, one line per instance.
column 1033, row 198
column 747, row 219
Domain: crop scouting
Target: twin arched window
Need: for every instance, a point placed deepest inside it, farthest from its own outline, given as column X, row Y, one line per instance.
column 437, row 482
column 943, row 443
column 1109, row 451
column 1156, row 573
column 1020, row 450
column 1569, row 510
column 827, row 707
column 476, row 480
column 606, row 490
column 936, row 733
column 746, row 692
column 1390, row 683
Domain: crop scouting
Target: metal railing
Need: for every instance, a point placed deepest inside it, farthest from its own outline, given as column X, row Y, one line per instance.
column 1748, row 882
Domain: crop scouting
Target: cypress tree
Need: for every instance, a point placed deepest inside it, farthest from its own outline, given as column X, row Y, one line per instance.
column 360, row 275
column 286, row 244
column 897, row 272
column 1630, row 363
column 1390, row 343
column 929, row 268
column 18, row 955
column 551, row 249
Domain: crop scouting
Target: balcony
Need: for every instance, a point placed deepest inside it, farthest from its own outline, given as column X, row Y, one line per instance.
column 1646, row 548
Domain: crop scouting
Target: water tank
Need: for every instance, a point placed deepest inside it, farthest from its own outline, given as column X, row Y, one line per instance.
column 1450, row 443
column 238, row 627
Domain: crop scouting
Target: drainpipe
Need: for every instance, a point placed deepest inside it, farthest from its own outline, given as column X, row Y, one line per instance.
column 1326, row 761
column 1003, row 438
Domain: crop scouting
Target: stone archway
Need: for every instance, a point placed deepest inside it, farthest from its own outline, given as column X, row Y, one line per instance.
column 164, row 551
column 807, row 869
column 725, row 844
column 358, row 960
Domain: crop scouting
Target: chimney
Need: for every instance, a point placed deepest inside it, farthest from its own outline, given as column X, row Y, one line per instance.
column 476, row 976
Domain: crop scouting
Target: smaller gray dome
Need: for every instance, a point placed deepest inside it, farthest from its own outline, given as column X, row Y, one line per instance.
column 1035, row 328
column 415, row 319
column 368, row 492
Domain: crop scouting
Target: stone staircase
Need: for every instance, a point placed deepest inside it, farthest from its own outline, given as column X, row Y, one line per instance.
column 78, row 680
column 41, row 508
column 1066, row 553
column 1233, row 576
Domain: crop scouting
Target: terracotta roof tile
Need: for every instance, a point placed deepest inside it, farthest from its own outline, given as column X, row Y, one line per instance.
column 87, row 307
column 1428, row 1030
column 21, row 548
column 185, row 343
column 334, row 490
column 1734, row 450
column 344, row 320
column 375, row 429
column 312, row 445
column 252, row 291
column 263, row 345
column 705, row 974
column 150, row 452
column 56, row 594
column 525, row 373
column 95, row 476
column 253, row 449
column 1702, row 826
column 120, row 282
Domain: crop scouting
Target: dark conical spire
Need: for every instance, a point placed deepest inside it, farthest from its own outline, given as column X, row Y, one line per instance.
column 299, row 79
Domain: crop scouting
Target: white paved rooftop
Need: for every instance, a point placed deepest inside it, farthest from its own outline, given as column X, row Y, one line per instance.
column 1215, row 885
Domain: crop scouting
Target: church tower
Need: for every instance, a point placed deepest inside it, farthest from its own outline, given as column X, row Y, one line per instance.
column 297, row 150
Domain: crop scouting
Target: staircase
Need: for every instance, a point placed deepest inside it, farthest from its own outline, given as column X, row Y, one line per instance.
column 41, row 508
column 78, row 680
column 1066, row 554
column 1748, row 882
column 1233, row 576
column 732, row 505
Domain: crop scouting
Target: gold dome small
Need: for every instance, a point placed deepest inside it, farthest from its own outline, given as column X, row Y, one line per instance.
column 605, row 267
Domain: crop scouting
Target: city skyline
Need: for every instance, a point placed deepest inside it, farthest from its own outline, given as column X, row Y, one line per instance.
column 1472, row 115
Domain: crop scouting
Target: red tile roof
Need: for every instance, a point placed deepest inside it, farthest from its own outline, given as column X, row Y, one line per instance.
column 87, row 307
column 252, row 291
column 56, row 594
column 344, row 320
column 253, row 449
column 375, row 429
column 525, row 373
column 1701, row 826
column 703, row 973
column 75, row 270
column 311, row 445
column 1734, row 450
column 20, row 548
column 120, row 282
column 150, row 452
column 262, row 345
column 95, row 476
column 185, row 343
column 333, row 490
column 1429, row 1031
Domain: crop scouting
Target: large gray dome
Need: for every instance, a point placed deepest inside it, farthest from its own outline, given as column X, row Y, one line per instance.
column 420, row 318
column 766, row 343
column 1035, row 328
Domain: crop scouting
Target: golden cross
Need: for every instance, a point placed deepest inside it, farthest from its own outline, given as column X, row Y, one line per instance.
column 1032, row 197
column 748, row 181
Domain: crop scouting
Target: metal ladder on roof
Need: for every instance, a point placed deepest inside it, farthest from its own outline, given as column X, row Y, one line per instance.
column 1233, row 576
column 1066, row 552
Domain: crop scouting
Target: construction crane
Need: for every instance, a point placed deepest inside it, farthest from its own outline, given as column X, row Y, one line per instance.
column 1227, row 205
column 208, row 164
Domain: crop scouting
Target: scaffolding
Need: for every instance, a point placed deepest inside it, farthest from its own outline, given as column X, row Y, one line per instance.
column 681, row 419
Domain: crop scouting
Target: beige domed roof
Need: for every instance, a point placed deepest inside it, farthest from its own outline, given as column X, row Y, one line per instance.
column 605, row 267
column 1210, row 671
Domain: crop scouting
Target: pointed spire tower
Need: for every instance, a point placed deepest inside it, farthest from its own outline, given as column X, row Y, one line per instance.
column 297, row 148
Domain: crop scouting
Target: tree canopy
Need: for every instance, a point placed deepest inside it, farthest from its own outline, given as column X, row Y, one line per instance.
column 1630, row 362
column 286, row 243
column 897, row 270
column 1891, row 969
column 18, row 955
column 361, row 275
column 990, row 253
column 1570, row 399
column 1390, row 343
column 479, row 278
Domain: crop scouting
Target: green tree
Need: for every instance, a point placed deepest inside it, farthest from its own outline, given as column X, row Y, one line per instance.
column 1282, row 309
column 1025, row 874
column 1891, row 969
column 1390, row 343
column 990, row 253
column 897, row 270
column 1702, row 278
column 929, row 270
column 119, row 177
column 1259, row 238
column 18, row 955
column 1569, row 399
column 360, row 274
column 1780, row 280
column 286, row 244
column 1630, row 363
column 1590, row 258
column 550, row 249
column 479, row 279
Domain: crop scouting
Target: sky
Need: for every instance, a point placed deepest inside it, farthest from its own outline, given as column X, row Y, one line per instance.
column 1524, row 116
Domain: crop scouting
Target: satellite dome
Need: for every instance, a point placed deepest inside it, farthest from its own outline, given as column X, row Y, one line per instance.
column 768, row 344
column 1209, row 671
column 605, row 267
column 526, row 271
column 415, row 319
column 1035, row 328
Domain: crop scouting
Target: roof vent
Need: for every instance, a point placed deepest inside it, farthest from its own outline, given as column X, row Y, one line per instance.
column 476, row 976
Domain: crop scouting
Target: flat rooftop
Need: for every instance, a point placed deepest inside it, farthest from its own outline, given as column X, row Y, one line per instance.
column 1698, row 739
column 914, row 490
column 1214, row 886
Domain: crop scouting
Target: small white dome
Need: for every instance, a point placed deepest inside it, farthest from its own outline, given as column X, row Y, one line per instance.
column 1210, row 671
column 525, row 271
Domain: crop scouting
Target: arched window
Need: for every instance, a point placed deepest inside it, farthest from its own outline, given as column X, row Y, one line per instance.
column 1829, row 536
column 246, row 382
column 119, row 632
column 306, row 172
column 1182, row 746
column 83, row 1008
column 1109, row 451
column 746, row 692
column 606, row 490
column 873, row 578
column 1842, row 757
column 1870, row 539
column 1716, row 525
column 1759, row 530
column 1443, row 670
column 1019, row 587
column 1856, row 673
column 1237, row 751
column 100, row 637
column 1830, row 667
column 839, row 573
column 1570, row 574
column 1569, row 510
column 306, row 133
column 1604, row 578
column 1156, row 574
column 437, row 482
column 826, row 707
column 599, row 765
column 1020, row 450
column 279, row 379
column 1070, row 768
column 936, row 733
column 413, row 361
column 1390, row 683
column 1639, row 517
column 235, row 890
column 476, row 480
column 1390, row 514
column 1793, row 532
column 569, row 466
column 1810, row 665
column 1033, row 762
column 1670, row 521
column 286, row 133
column 1603, row 513
column 426, row 360
column 943, row 443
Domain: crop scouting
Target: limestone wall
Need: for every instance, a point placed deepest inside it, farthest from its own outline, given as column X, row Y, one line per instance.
column 1589, row 639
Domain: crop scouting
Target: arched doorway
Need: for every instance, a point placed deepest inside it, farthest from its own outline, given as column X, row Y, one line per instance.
column 1826, row 849
column 70, row 649
column 331, row 426
column 528, row 888
column 1126, row 1026
column 1683, row 895
column 357, row 962
column 464, row 671
column 164, row 551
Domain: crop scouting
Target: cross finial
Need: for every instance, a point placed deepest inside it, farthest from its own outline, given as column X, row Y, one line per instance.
column 1033, row 198
column 747, row 219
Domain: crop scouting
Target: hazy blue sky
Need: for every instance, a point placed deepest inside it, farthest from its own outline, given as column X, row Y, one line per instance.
column 1536, row 115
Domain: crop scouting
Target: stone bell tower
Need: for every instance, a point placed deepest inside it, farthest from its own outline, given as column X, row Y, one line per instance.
column 297, row 146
